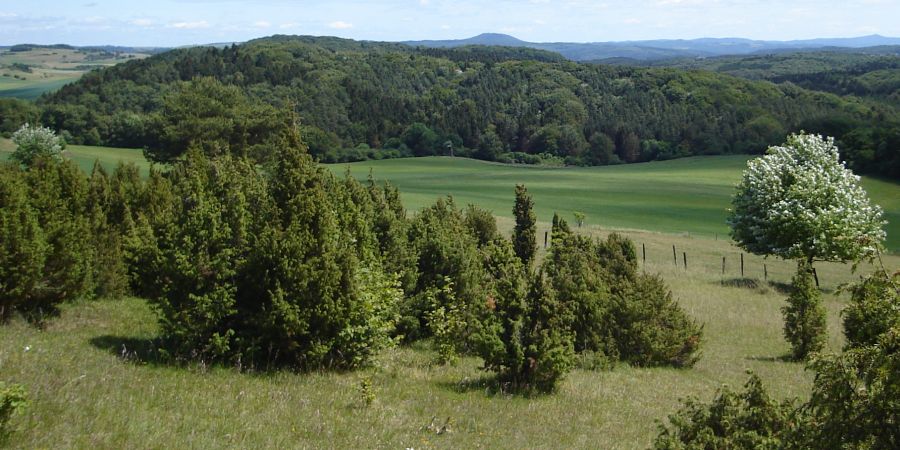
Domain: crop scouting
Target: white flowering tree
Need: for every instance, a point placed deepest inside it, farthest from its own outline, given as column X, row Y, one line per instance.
column 800, row 202
column 33, row 142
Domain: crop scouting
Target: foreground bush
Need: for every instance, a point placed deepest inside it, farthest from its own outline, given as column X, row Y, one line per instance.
column 855, row 403
column 444, row 253
column 804, row 316
column 13, row 400
column 260, row 271
column 874, row 308
column 523, row 336
column 615, row 312
column 44, row 234
column 733, row 420
column 651, row 328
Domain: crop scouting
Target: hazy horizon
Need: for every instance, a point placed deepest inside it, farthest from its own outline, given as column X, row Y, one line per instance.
column 171, row 23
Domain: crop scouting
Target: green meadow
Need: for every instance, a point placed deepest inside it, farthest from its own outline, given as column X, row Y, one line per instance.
column 687, row 196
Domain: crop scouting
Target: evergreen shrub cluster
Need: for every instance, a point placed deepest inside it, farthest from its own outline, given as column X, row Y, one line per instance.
column 855, row 396
column 57, row 237
column 286, row 265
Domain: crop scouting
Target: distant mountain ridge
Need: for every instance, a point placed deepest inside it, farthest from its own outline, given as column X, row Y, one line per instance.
column 665, row 48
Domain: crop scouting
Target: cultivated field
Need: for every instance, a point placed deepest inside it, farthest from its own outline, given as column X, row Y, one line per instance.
column 50, row 69
column 685, row 196
column 94, row 379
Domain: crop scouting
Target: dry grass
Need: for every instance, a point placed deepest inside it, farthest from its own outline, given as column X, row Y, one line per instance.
column 84, row 393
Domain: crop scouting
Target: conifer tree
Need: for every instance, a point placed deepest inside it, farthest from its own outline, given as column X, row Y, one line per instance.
column 524, row 337
column 58, row 195
column 108, row 268
column 524, row 235
column 23, row 249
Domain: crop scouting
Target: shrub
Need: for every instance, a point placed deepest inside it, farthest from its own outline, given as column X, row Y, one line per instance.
column 524, row 235
column 445, row 321
column 108, row 271
column 874, row 308
column 262, row 271
column 733, row 420
column 23, row 248
column 523, row 337
column 574, row 269
column 804, row 316
column 651, row 329
column 34, row 143
column 13, row 400
column 443, row 250
column 855, row 399
column 46, row 258
column 481, row 224
column 854, row 404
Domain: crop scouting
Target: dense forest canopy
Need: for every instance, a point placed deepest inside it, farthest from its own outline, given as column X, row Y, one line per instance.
column 360, row 100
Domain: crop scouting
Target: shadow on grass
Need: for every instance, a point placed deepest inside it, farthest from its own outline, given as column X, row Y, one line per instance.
column 131, row 349
column 783, row 358
column 491, row 386
column 743, row 283
column 35, row 316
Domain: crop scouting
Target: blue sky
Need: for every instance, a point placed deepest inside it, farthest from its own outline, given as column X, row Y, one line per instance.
column 183, row 22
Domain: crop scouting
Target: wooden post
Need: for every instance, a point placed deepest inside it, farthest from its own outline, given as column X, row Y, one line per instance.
column 545, row 238
column 684, row 255
column 742, row 265
column 644, row 251
column 675, row 256
column 723, row 266
column 765, row 273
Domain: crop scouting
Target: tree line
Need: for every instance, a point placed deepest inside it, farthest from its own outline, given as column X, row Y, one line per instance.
column 361, row 100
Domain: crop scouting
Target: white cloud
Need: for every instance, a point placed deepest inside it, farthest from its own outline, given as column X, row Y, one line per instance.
column 262, row 24
column 190, row 25
column 285, row 26
column 340, row 25
column 142, row 22
column 6, row 15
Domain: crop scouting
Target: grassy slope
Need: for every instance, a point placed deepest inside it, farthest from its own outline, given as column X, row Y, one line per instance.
column 682, row 196
column 84, row 394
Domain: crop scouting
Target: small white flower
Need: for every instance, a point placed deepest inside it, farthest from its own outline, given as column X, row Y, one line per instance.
column 27, row 348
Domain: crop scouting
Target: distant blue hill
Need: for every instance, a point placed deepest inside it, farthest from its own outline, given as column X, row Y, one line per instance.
column 665, row 48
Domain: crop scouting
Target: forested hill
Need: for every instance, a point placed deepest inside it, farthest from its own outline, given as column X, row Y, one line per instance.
column 367, row 99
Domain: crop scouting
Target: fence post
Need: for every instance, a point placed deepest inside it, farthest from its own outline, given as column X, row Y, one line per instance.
column 723, row 266
column 765, row 273
column 545, row 238
column 684, row 255
column 675, row 256
column 742, row 265
column 644, row 251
